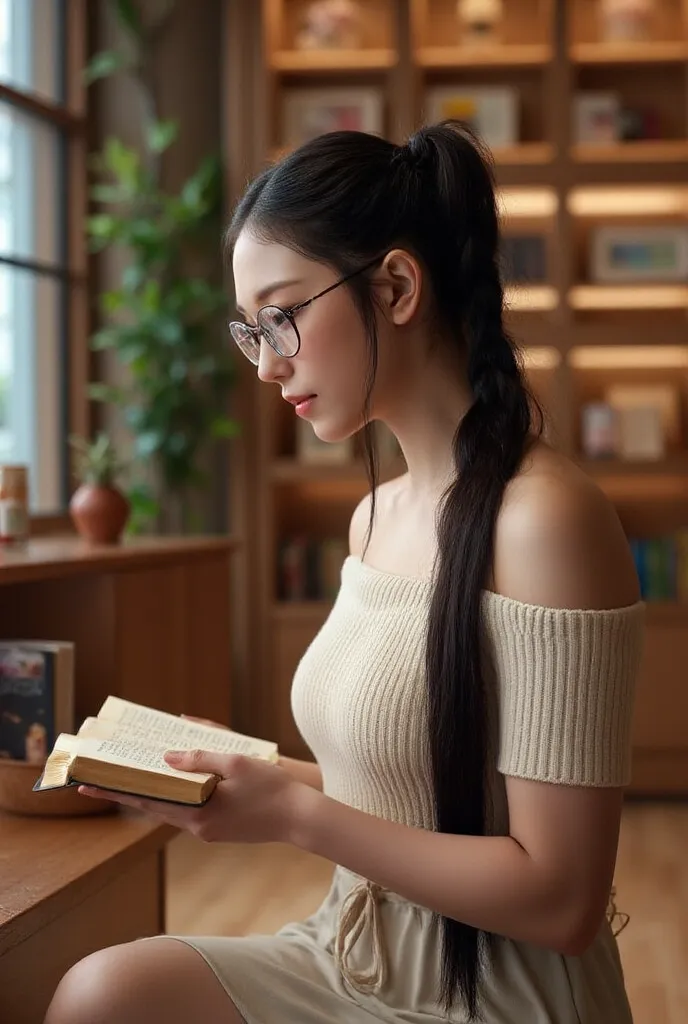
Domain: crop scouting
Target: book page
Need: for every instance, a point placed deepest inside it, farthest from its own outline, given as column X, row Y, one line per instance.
column 128, row 721
column 131, row 755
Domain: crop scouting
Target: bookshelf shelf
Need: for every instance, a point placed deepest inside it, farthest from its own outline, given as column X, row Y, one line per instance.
column 647, row 52
column 314, row 62
column 673, row 465
column 628, row 297
column 653, row 151
column 609, row 201
column 531, row 298
column 580, row 339
column 525, row 154
column 524, row 55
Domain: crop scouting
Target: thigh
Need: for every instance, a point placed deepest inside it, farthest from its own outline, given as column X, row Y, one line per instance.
column 139, row 982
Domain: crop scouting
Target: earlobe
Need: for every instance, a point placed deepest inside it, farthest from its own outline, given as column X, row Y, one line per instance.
column 403, row 281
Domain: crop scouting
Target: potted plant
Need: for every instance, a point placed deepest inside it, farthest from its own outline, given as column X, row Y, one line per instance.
column 98, row 508
column 163, row 322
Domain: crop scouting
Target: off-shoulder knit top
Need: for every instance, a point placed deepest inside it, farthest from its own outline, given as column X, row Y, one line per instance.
column 563, row 683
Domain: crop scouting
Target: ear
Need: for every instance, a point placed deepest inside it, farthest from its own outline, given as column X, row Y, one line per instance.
column 398, row 286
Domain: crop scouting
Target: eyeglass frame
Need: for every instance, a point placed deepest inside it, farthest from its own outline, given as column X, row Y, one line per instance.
column 290, row 313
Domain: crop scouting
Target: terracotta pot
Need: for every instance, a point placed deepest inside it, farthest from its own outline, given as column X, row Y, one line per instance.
column 99, row 513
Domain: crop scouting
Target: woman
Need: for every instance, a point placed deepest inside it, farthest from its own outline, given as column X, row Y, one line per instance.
column 469, row 699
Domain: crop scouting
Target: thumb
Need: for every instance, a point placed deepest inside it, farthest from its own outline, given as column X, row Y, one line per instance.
column 207, row 761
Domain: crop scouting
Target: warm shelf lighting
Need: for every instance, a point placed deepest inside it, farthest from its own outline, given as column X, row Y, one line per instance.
column 531, row 298
column 530, row 203
column 648, row 296
column 631, row 200
column 629, row 357
column 540, row 357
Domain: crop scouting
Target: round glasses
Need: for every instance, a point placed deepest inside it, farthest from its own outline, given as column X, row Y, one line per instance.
column 274, row 325
column 278, row 327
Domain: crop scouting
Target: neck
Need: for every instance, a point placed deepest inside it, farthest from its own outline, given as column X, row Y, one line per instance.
column 424, row 410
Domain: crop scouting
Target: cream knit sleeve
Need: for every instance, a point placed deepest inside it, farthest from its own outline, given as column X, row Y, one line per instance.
column 566, row 685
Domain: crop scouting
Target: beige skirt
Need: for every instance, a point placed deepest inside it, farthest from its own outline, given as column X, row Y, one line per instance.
column 368, row 955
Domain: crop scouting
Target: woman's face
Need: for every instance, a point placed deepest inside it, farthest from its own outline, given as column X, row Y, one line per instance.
column 331, row 364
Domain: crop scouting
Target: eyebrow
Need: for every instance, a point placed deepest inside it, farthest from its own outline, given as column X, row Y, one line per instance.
column 265, row 292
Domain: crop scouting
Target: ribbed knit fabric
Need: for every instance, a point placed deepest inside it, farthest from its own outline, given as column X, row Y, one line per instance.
column 564, row 682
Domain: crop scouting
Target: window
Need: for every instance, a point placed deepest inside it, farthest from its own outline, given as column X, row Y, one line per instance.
column 42, row 263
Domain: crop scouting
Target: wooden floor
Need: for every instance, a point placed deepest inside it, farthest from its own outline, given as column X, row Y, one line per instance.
column 228, row 890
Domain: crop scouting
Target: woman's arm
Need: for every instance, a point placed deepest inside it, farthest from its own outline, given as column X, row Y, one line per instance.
column 303, row 771
column 547, row 882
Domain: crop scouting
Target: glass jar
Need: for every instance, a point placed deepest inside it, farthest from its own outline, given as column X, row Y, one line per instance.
column 14, row 504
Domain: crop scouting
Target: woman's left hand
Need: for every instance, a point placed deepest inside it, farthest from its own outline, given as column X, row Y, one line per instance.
column 254, row 801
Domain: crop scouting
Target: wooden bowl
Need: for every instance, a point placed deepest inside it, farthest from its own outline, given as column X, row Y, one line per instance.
column 17, row 779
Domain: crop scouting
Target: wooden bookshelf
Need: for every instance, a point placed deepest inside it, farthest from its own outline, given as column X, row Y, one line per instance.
column 579, row 333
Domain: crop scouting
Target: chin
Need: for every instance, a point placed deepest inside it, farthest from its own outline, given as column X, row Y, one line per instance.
column 333, row 433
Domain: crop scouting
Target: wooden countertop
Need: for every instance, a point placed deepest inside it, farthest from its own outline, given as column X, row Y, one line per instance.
column 49, row 864
column 52, row 557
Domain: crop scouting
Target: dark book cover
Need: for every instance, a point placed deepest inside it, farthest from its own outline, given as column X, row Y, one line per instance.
column 27, row 716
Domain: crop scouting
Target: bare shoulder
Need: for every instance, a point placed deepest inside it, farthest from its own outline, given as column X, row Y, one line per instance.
column 385, row 499
column 558, row 540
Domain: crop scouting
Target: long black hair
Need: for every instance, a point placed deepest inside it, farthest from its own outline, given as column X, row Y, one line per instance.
column 343, row 199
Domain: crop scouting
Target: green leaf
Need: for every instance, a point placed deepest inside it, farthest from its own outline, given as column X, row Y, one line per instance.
column 133, row 277
column 112, row 301
column 150, row 298
column 222, row 427
column 106, row 337
column 129, row 17
column 149, row 443
column 104, row 64
column 102, row 226
column 122, row 161
column 100, row 392
column 107, row 194
column 162, row 134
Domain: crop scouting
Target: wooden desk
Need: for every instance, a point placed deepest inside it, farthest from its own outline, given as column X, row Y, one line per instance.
column 67, row 888
column 150, row 618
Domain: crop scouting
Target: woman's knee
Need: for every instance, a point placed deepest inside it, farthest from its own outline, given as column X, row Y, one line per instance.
column 137, row 982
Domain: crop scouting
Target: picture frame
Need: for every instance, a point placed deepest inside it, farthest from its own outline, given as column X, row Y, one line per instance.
column 307, row 113
column 628, row 254
column 597, row 117
column 492, row 111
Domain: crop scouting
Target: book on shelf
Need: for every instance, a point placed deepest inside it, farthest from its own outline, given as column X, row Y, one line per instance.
column 310, row 569
column 662, row 566
column 36, row 697
column 122, row 749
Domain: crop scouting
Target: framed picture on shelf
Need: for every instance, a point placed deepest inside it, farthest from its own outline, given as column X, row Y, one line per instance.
column 308, row 113
column 492, row 111
column 596, row 118
column 310, row 449
column 632, row 254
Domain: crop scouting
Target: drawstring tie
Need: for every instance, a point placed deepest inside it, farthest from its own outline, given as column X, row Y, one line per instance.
column 360, row 910
column 616, row 917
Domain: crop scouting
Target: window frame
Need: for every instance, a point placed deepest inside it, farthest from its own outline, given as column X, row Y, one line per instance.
column 68, row 115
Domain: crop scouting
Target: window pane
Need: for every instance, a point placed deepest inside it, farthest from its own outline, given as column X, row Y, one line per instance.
column 29, row 182
column 29, row 46
column 30, row 381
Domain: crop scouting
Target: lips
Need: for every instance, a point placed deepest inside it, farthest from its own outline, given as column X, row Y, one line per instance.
column 297, row 399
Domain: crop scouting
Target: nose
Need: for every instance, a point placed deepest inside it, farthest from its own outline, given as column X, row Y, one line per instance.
column 271, row 366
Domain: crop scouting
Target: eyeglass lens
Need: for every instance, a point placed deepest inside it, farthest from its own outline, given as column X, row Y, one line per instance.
column 274, row 326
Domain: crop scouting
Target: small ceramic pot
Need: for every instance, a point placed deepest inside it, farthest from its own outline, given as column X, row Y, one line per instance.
column 99, row 513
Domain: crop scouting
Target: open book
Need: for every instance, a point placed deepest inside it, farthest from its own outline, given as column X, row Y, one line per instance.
column 122, row 749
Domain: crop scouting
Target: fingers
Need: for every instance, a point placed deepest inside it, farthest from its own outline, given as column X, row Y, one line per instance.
column 206, row 761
